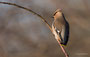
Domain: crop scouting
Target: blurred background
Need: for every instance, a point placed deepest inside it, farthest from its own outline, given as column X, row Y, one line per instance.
column 23, row 34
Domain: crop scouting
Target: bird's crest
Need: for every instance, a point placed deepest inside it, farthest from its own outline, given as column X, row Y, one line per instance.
column 58, row 10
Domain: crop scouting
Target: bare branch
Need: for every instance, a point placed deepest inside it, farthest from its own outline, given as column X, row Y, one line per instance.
column 27, row 10
column 64, row 51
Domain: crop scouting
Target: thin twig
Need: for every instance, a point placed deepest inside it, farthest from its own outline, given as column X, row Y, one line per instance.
column 38, row 16
column 63, row 49
column 27, row 10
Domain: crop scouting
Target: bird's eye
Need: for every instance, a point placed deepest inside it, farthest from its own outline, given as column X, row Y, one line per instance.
column 54, row 13
column 52, row 17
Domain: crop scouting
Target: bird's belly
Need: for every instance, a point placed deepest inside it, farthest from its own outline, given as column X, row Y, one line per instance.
column 55, row 33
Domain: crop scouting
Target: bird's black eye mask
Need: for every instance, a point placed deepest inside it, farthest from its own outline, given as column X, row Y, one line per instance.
column 54, row 14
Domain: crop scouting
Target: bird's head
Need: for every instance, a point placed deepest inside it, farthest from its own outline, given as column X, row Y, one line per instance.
column 57, row 14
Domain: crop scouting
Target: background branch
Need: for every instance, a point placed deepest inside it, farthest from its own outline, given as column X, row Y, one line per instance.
column 64, row 51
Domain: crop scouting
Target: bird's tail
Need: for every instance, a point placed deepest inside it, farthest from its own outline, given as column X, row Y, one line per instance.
column 60, row 42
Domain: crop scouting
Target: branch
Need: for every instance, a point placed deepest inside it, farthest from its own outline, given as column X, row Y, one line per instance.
column 64, row 51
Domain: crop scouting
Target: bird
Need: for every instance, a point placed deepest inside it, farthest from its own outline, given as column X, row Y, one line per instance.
column 60, row 27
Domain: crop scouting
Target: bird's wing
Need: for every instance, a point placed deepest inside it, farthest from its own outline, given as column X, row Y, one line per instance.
column 66, row 34
column 63, row 33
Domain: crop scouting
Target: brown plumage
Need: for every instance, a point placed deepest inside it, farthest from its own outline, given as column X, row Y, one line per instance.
column 61, row 26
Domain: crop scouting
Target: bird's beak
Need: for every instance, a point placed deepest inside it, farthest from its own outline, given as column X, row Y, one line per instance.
column 52, row 17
